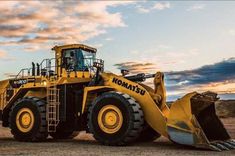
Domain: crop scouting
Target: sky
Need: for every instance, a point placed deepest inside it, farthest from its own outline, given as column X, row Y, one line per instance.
column 192, row 42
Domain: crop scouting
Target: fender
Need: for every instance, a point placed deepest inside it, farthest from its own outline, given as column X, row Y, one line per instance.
column 153, row 115
column 37, row 91
column 90, row 91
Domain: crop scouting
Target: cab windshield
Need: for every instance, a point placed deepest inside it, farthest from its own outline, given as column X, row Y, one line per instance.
column 78, row 59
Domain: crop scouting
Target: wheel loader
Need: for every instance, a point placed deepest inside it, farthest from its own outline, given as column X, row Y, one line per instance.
column 71, row 92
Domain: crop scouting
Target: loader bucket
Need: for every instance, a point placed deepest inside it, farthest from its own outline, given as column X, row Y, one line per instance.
column 193, row 121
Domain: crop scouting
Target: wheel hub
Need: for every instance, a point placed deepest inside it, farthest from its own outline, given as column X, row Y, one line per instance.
column 24, row 120
column 110, row 119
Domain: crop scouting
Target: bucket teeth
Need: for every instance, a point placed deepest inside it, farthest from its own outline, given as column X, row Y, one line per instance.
column 223, row 145
column 227, row 144
column 232, row 142
column 214, row 147
column 232, row 146
column 220, row 146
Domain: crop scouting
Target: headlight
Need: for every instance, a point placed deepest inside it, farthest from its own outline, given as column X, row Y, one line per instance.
column 44, row 83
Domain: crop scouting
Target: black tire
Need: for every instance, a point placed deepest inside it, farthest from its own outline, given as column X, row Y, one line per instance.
column 38, row 131
column 133, row 119
column 148, row 134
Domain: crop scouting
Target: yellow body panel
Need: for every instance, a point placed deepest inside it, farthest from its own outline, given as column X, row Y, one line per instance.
column 3, row 87
column 40, row 93
column 77, row 74
column 181, row 111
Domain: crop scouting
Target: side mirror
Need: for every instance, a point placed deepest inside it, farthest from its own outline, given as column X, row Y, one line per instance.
column 125, row 72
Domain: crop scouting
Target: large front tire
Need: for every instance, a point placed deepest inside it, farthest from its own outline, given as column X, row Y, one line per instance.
column 115, row 118
column 28, row 120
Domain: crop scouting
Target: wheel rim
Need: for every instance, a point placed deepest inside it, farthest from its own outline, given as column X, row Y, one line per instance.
column 24, row 120
column 110, row 119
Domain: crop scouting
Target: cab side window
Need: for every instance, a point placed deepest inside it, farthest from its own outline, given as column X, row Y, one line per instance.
column 73, row 60
column 69, row 60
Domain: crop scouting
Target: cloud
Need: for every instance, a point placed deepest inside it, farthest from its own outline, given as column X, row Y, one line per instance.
column 5, row 57
column 210, row 73
column 155, row 6
column 97, row 45
column 161, row 5
column 196, row 7
column 36, row 47
column 2, row 54
column 40, row 22
column 218, row 77
column 137, row 67
column 166, row 57
column 225, row 87
column 143, row 10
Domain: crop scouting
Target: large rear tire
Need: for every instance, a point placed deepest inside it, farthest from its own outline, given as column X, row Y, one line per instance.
column 28, row 119
column 115, row 118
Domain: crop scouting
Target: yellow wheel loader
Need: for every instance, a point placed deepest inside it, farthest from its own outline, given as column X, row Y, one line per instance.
column 71, row 93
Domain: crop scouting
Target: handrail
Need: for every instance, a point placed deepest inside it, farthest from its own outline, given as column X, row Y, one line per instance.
column 88, row 63
column 29, row 69
column 22, row 72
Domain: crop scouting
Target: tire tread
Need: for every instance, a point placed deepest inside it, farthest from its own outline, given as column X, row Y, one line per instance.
column 137, row 120
column 42, row 134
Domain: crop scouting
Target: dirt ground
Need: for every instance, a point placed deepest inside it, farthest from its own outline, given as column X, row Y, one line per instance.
column 84, row 144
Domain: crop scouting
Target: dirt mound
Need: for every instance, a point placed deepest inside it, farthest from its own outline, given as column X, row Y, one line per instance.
column 225, row 108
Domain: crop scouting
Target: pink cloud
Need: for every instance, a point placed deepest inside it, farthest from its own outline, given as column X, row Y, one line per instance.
column 60, row 21
column 2, row 54
column 5, row 57
column 138, row 67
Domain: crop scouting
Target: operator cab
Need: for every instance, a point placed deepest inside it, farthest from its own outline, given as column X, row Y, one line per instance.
column 75, row 58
